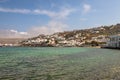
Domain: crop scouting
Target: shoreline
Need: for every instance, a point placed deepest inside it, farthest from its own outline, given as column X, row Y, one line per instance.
column 111, row 48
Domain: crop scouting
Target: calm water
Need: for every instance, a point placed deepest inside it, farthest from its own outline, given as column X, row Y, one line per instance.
column 29, row 63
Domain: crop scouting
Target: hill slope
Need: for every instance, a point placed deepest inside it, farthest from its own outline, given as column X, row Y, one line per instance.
column 93, row 36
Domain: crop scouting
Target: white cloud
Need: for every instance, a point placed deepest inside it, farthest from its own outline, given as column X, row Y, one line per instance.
column 86, row 8
column 50, row 28
column 23, row 33
column 58, row 15
column 54, row 25
column 83, row 19
column 12, row 34
column 14, row 31
column 19, row 33
column 63, row 13
column 44, row 12
column 23, row 11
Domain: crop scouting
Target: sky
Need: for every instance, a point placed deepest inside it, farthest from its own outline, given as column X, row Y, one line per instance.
column 28, row 18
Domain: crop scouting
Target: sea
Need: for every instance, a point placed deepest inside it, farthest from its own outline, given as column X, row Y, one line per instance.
column 59, row 63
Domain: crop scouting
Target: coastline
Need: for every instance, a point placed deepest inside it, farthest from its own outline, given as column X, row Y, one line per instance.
column 111, row 48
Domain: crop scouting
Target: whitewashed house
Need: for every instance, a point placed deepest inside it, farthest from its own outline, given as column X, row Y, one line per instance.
column 100, row 38
column 114, row 41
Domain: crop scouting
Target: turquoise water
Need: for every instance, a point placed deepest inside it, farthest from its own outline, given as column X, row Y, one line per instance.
column 52, row 63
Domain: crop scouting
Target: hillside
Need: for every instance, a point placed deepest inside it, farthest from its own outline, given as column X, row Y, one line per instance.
column 89, row 37
column 10, row 41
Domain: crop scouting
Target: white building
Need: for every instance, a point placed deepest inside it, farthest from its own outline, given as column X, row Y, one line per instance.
column 114, row 41
column 100, row 38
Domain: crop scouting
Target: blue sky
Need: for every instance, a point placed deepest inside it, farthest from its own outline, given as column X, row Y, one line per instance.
column 27, row 18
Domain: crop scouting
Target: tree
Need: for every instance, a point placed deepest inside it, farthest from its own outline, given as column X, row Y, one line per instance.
column 94, row 43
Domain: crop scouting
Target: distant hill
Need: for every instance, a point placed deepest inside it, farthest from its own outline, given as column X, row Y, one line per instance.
column 10, row 40
column 73, row 38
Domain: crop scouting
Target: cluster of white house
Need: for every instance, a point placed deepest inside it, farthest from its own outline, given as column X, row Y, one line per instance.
column 114, row 41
